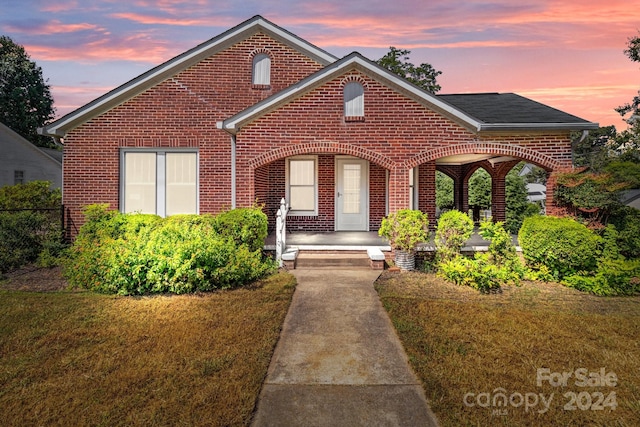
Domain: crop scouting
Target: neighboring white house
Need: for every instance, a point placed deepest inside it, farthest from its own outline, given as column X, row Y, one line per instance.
column 21, row 161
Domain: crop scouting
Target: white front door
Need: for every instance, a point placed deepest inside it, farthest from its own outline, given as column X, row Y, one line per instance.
column 352, row 194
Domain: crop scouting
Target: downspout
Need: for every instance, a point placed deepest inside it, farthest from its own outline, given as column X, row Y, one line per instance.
column 233, row 171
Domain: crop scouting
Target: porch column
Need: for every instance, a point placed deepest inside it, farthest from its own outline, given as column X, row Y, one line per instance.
column 464, row 194
column 551, row 208
column 427, row 190
column 498, row 189
column 398, row 189
column 498, row 195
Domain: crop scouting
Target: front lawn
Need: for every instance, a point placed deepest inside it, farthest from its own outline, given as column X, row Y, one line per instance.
column 471, row 349
column 80, row 358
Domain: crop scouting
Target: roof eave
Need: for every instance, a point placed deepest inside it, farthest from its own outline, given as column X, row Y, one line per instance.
column 493, row 127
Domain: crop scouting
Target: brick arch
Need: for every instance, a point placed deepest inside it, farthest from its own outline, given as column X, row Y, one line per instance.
column 322, row 148
column 472, row 168
column 259, row 51
column 357, row 78
column 511, row 150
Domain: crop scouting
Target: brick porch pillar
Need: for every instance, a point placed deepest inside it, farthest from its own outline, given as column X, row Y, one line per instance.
column 498, row 194
column 427, row 190
column 398, row 189
column 550, row 206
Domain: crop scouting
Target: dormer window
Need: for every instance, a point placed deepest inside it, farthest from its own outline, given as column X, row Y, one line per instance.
column 261, row 71
column 353, row 102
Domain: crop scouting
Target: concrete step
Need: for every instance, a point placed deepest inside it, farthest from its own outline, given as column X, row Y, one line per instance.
column 332, row 259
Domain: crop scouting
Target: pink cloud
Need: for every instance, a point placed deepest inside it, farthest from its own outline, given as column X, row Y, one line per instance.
column 54, row 27
column 137, row 47
column 59, row 6
column 154, row 20
column 592, row 102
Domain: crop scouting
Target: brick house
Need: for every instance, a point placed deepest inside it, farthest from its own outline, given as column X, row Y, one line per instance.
column 258, row 114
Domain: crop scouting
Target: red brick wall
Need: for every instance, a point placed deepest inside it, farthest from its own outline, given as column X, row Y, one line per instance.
column 377, row 195
column 179, row 112
column 398, row 133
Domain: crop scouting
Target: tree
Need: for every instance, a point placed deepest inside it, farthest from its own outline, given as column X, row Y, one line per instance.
column 25, row 99
column 517, row 204
column 424, row 76
column 480, row 189
column 633, row 52
column 593, row 151
column 444, row 191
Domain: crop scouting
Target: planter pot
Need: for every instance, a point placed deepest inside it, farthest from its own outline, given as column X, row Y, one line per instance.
column 405, row 260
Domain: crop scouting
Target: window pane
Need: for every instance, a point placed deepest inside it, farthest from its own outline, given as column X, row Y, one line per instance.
column 181, row 186
column 262, row 69
column 351, row 183
column 140, row 183
column 353, row 100
column 302, row 198
column 302, row 172
column 302, row 185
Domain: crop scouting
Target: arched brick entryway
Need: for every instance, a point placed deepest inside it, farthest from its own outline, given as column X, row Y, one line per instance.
column 505, row 157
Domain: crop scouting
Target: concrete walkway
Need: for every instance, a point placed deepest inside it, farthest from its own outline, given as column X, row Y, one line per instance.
column 339, row 361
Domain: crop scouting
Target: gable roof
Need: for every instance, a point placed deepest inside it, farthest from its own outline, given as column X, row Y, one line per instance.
column 9, row 136
column 117, row 96
column 506, row 112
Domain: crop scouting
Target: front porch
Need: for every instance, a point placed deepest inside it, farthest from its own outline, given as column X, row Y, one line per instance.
column 360, row 241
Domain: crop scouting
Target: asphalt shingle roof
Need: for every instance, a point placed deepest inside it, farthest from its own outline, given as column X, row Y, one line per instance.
column 507, row 108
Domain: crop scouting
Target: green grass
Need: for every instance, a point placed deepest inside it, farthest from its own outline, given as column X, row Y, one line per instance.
column 79, row 358
column 459, row 341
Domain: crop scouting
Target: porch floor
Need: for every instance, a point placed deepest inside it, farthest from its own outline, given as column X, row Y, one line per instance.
column 333, row 240
column 361, row 240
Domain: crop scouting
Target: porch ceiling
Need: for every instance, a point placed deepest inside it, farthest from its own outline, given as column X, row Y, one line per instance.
column 463, row 159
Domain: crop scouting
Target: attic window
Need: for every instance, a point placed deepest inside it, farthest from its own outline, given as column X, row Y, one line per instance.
column 261, row 71
column 353, row 102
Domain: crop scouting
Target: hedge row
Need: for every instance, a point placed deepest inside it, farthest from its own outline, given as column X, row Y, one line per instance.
column 579, row 257
column 563, row 245
column 133, row 254
column 32, row 234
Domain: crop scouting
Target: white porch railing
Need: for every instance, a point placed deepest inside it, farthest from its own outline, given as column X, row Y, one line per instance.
column 281, row 231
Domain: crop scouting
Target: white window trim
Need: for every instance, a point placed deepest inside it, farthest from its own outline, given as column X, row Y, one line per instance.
column 265, row 75
column 161, row 206
column 359, row 106
column 315, row 185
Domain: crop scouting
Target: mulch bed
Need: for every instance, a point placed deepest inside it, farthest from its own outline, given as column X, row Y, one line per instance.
column 34, row 279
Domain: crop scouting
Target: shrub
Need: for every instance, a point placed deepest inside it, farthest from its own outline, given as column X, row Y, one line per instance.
column 454, row 229
column 20, row 239
column 610, row 248
column 133, row 254
column 32, row 195
column 613, row 277
column 627, row 222
column 501, row 246
column 563, row 245
column 29, row 235
column 244, row 225
column 405, row 229
column 477, row 273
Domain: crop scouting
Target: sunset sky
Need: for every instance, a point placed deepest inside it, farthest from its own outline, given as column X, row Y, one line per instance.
column 567, row 54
